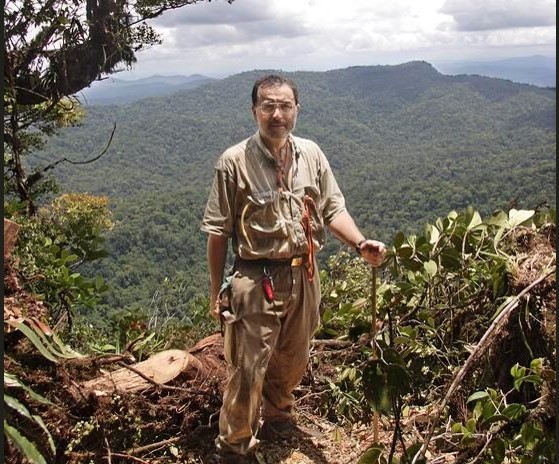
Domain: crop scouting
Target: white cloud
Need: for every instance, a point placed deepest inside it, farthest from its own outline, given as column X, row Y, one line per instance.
column 481, row 15
column 219, row 38
column 220, row 12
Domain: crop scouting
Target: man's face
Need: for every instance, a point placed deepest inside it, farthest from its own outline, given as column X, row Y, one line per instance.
column 275, row 111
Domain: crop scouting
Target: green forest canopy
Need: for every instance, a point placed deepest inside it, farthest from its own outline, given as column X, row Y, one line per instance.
column 406, row 143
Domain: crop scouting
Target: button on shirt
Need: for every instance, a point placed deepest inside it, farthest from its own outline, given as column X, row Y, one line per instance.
column 263, row 220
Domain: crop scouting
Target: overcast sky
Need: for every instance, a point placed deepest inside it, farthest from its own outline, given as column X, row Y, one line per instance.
column 219, row 39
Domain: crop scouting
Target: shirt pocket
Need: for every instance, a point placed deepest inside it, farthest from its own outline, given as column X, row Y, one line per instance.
column 263, row 217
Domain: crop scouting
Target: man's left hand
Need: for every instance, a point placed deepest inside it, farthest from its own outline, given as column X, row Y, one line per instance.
column 373, row 252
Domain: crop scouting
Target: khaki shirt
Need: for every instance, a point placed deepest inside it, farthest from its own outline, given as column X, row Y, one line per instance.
column 263, row 220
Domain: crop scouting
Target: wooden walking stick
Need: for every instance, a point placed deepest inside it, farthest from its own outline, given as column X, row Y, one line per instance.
column 373, row 342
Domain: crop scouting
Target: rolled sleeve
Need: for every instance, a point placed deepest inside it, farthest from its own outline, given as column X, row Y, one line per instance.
column 333, row 201
column 219, row 214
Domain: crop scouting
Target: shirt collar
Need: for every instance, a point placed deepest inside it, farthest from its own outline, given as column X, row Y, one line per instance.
column 260, row 143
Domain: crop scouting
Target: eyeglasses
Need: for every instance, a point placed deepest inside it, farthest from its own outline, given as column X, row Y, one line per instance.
column 270, row 107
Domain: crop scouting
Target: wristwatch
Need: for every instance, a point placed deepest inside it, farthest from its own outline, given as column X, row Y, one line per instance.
column 358, row 246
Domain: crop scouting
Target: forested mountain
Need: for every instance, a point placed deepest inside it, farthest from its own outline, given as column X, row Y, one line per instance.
column 406, row 143
column 535, row 70
column 118, row 91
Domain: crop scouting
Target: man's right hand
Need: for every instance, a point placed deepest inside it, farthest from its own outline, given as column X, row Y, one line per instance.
column 217, row 253
column 214, row 309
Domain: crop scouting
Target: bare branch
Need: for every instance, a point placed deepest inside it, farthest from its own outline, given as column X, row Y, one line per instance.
column 482, row 347
column 34, row 178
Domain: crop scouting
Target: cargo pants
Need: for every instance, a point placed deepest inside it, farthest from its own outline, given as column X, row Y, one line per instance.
column 266, row 348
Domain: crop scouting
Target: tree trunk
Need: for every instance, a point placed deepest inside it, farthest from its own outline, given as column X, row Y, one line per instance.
column 11, row 229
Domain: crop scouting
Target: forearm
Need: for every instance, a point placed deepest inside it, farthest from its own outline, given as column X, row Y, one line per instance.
column 345, row 229
column 217, row 256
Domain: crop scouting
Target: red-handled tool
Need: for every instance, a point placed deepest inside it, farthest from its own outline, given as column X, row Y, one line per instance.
column 268, row 285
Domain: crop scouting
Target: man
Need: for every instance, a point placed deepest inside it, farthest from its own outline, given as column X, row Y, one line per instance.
column 272, row 194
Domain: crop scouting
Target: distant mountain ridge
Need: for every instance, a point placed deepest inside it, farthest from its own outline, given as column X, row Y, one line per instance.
column 536, row 70
column 113, row 91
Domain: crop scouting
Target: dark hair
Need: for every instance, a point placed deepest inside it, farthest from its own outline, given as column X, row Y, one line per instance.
column 273, row 80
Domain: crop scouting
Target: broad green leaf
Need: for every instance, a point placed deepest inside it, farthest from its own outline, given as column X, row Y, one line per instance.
column 533, row 378
column 474, row 221
column 477, row 396
column 478, row 409
column 375, row 386
column 471, row 425
column 451, row 258
column 514, row 411
column 530, row 434
column 409, row 331
column 398, row 379
column 27, row 448
column 498, row 450
column 518, row 217
column 430, row 267
column 108, row 347
column 412, row 239
column 536, row 364
column 498, row 219
column 345, row 308
column 405, row 251
column 517, row 371
column 494, row 418
column 372, row 455
column 457, row 428
column 489, row 410
column 399, row 240
column 434, row 234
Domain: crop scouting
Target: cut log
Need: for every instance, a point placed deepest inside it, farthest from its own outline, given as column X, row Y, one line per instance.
column 209, row 351
column 159, row 369
column 203, row 360
column 11, row 229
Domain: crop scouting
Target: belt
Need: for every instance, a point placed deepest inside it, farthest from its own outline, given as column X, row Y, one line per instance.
column 293, row 262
